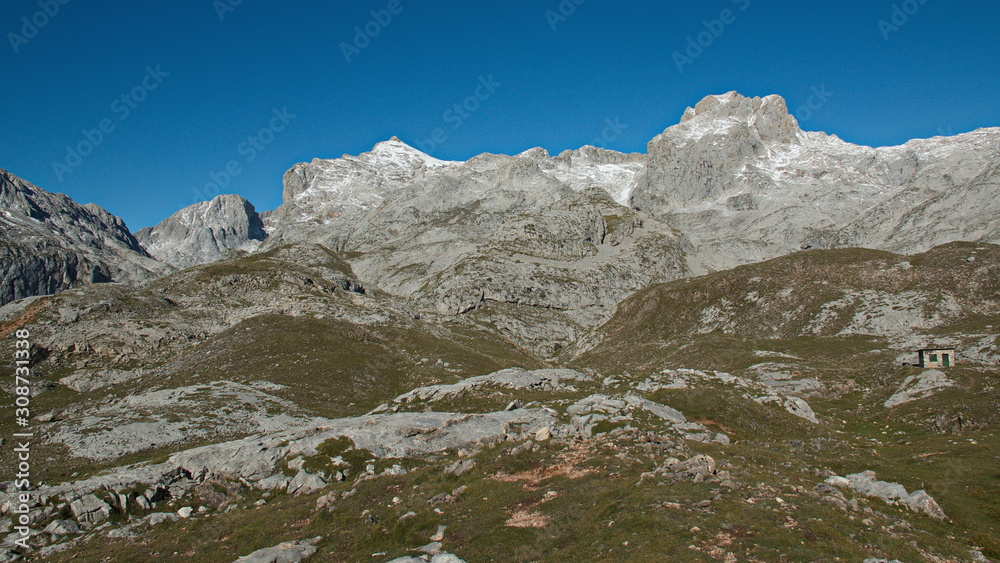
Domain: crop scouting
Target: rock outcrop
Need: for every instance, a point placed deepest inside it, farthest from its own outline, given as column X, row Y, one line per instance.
column 919, row 386
column 287, row 552
column 866, row 484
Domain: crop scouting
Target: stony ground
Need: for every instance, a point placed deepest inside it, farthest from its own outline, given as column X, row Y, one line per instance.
column 275, row 405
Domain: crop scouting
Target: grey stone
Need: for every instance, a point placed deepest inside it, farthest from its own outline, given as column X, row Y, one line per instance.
column 513, row 378
column 62, row 528
column 288, row 552
column 304, row 483
column 662, row 411
column 866, row 484
column 918, row 387
column 460, row 467
column 160, row 517
column 90, row 510
column 277, row 481
column 90, row 380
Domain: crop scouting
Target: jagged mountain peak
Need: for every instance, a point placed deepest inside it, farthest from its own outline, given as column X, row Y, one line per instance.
column 716, row 115
column 535, row 153
column 395, row 151
column 205, row 232
column 734, row 104
column 220, row 205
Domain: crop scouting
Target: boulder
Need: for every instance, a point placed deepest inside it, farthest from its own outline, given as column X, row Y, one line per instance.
column 274, row 482
column 160, row 517
column 62, row 528
column 90, row 510
column 287, row 552
column 304, row 483
column 460, row 467
column 866, row 484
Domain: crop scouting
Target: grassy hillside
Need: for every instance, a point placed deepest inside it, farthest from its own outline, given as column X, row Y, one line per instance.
column 831, row 328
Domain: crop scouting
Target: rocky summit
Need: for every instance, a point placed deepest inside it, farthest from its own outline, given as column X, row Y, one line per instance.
column 205, row 232
column 707, row 352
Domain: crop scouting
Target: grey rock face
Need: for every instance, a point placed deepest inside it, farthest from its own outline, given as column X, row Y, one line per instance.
column 662, row 411
column 205, row 232
column 304, row 483
column 161, row 517
column 531, row 240
column 744, row 183
column 89, row 380
column 540, row 233
column 698, row 159
column 49, row 243
column 62, row 528
column 513, row 378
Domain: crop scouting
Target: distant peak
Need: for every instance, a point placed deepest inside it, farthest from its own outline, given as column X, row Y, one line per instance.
column 734, row 105
column 536, row 153
column 768, row 115
column 395, row 148
column 395, row 144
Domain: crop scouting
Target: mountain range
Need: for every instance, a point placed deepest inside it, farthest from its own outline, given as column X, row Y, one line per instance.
column 706, row 349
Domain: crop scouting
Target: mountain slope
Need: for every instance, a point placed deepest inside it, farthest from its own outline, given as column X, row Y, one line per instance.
column 537, row 358
column 739, row 411
column 946, row 296
column 50, row 243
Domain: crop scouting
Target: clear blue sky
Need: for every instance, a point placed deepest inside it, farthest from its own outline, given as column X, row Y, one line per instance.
column 937, row 73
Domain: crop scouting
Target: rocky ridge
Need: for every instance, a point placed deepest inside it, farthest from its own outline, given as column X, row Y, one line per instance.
column 737, row 181
column 49, row 243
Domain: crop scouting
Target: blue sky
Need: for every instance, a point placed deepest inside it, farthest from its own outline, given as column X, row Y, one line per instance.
column 255, row 87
